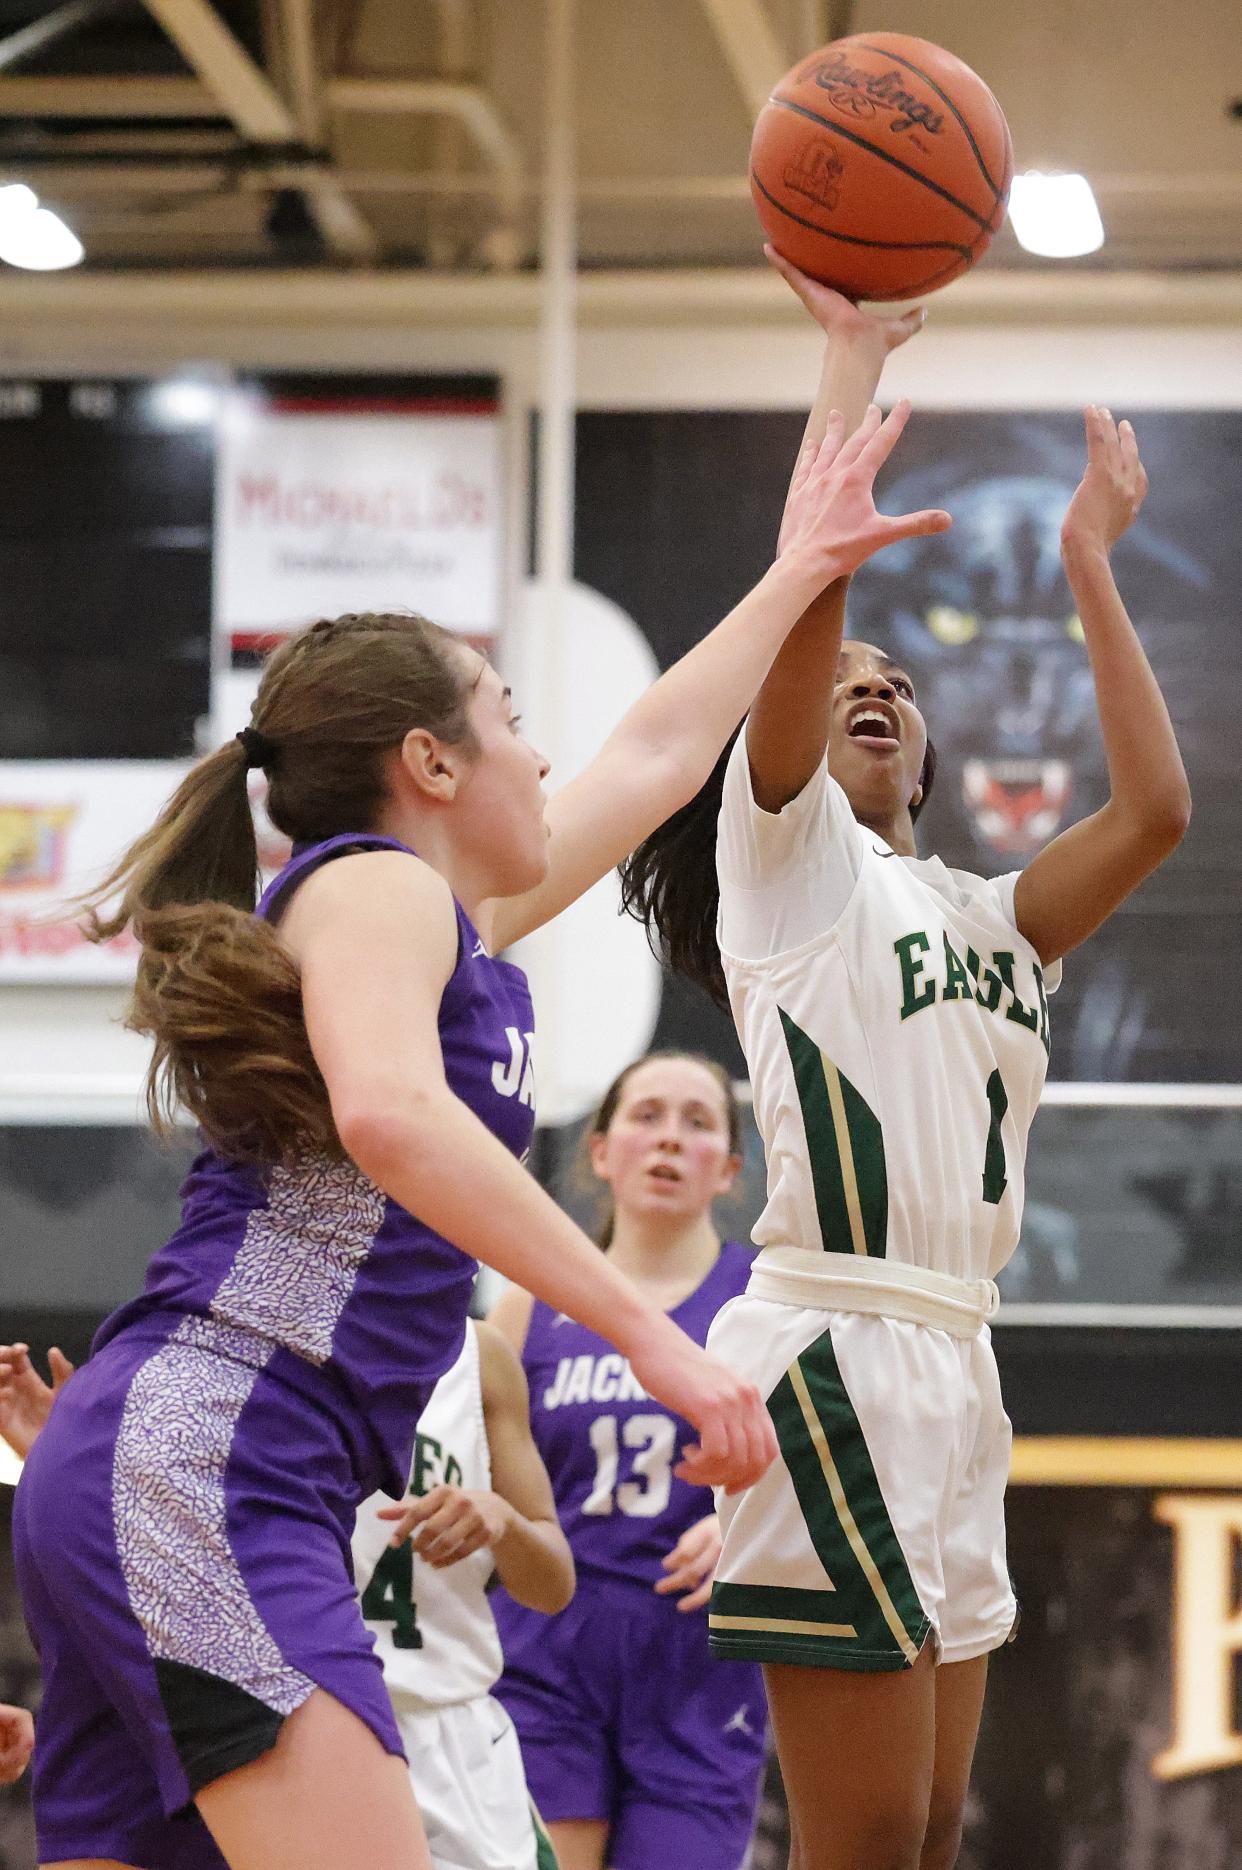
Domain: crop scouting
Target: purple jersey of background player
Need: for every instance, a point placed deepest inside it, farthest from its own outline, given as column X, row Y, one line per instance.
column 397, row 1292
column 609, row 1450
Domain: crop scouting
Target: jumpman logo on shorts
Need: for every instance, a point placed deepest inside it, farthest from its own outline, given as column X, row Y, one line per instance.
column 740, row 1723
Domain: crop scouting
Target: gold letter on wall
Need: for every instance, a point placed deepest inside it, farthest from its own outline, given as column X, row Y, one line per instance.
column 1207, row 1633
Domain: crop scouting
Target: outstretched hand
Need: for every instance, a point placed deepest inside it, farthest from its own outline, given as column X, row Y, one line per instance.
column 839, row 317
column 25, row 1399
column 737, row 1442
column 831, row 525
column 1113, row 487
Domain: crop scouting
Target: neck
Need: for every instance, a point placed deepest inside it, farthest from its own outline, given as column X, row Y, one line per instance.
column 666, row 1258
column 425, row 833
column 896, row 830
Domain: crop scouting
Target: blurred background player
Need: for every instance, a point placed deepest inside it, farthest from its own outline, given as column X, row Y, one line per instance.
column 641, row 1750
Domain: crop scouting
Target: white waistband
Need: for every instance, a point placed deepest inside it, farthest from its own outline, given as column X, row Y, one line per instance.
column 849, row 1282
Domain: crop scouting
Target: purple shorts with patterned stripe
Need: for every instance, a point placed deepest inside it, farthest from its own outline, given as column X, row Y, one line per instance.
column 181, row 1537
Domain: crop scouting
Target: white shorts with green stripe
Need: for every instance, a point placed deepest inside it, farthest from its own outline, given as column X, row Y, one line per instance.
column 466, row 1768
column 881, row 1522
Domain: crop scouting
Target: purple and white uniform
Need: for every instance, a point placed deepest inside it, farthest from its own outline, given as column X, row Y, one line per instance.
column 622, row 1713
column 182, row 1526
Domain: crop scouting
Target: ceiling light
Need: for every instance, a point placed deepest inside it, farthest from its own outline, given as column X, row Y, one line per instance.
column 1055, row 215
column 17, row 201
column 183, row 402
column 35, row 238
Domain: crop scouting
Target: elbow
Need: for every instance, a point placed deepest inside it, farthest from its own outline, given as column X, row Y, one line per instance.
column 1168, row 823
column 553, row 1590
column 379, row 1130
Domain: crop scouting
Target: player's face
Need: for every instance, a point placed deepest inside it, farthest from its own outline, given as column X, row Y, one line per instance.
column 666, row 1151
column 877, row 738
column 501, row 805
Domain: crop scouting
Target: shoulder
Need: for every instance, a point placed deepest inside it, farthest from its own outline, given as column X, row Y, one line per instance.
column 510, row 1317
column 374, row 895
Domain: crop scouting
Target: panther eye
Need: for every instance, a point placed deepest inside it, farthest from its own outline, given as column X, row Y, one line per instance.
column 952, row 626
column 1074, row 629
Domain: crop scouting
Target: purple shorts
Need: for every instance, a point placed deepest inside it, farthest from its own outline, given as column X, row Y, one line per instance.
column 181, row 1538
column 624, row 1716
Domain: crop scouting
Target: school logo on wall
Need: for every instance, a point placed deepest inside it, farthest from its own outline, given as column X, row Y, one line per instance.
column 1016, row 805
column 34, row 841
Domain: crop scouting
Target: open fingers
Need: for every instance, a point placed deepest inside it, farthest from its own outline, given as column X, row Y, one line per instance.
column 880, row 444
column 60, row 1366
column 915, row 525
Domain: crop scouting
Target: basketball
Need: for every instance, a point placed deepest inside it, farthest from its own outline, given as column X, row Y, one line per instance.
column 881, row 165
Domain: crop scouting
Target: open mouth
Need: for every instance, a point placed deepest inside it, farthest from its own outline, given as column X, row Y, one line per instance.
column 875, row 725
column 662, row 1172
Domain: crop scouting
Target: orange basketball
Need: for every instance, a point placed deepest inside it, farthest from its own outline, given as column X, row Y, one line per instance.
column 881, row 165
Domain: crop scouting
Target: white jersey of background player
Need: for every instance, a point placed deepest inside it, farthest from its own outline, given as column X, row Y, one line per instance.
column 480, row 1501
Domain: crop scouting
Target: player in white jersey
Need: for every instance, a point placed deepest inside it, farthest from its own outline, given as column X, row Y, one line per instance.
column 894, row 1017
column 480, row 1502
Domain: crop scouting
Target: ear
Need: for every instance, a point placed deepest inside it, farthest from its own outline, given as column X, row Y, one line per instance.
column 435, row 768
column 597, row 1150
column 729, row 1172
column 916, row 798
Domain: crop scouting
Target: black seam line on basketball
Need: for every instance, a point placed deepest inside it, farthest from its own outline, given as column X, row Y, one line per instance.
column 882, row 52
column 883, row 156
column 851, row 136
column 856, row 240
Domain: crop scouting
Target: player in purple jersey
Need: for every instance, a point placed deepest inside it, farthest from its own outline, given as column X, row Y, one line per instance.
column 640, row 1750
column 358, row 1063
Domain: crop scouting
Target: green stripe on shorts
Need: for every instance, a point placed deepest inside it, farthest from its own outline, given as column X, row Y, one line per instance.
column 846, row 1148
column 874, row 1598
column 545, row 1856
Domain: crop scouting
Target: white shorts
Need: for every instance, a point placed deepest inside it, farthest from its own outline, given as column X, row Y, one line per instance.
column 466, row 1769
column 881, row 1521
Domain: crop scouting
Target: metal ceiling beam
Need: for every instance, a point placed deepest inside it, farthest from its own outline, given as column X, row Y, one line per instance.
column 248, row 96
column 305, row 93
column 106, row 97
column 430, row 96
column 752, row 50
column 54, row 25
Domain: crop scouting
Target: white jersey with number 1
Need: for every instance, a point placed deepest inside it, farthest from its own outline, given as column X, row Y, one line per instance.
column 895, row 1023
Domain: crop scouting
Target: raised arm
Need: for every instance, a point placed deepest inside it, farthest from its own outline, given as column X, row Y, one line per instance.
column 1077, row 881
column 668, row 742
column 787, row 731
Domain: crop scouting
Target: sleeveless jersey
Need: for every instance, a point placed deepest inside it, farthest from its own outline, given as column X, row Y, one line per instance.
column 434, row 1630
column 608, row 1447
column 337, row 1290
column 897, row 1045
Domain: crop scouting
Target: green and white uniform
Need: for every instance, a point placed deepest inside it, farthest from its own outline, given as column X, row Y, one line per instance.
column 437, row 1639
column 895, row 1024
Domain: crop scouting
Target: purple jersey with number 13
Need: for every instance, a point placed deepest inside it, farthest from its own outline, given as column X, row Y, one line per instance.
column 609, row 1449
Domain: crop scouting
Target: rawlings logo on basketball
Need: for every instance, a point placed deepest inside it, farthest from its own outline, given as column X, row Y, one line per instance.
column 858, row 93
column 816, row 173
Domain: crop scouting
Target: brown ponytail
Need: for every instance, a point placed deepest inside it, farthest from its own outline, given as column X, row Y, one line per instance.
column 216, row 989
